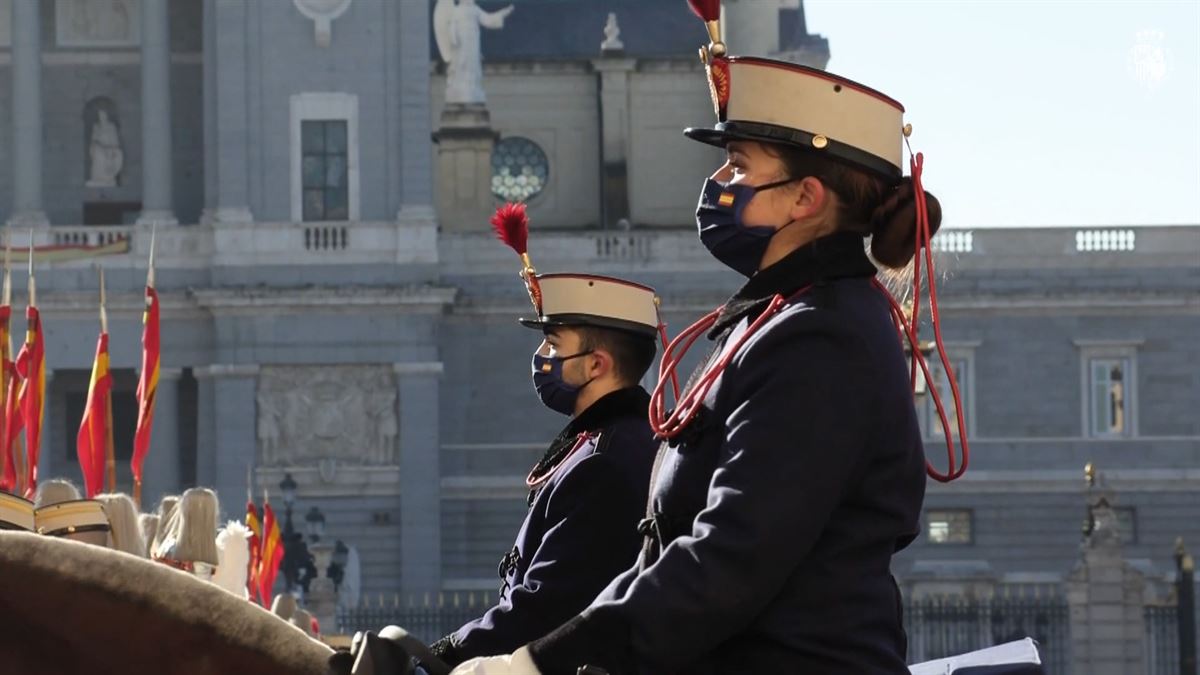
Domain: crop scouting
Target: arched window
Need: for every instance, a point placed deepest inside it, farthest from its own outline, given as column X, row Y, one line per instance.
column 520, row 169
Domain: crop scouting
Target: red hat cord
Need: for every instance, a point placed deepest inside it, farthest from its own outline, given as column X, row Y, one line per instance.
column 669, row 424
column 909, row 327
column 511, row 224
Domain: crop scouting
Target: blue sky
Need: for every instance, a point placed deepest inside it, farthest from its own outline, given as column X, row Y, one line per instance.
column 1036, row 113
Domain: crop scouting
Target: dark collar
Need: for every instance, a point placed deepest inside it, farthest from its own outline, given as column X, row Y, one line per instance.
column 627, row 402
column 630, row 401
column 836, row 256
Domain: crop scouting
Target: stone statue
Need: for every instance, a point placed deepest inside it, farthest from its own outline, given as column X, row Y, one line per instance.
column 268, row 427
column 612, row 35
column 456, row 26
column 386, row 428
column 104, row 151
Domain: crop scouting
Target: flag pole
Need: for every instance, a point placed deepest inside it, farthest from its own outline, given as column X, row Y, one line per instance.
column 7, row 299
column 5, row 352
column 22, row 454
column 32, row 284
column 110, row 458
column 137, row 482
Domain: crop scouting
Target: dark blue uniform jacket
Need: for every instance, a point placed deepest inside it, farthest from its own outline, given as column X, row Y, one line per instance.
column 581, row 530
column 776, row 513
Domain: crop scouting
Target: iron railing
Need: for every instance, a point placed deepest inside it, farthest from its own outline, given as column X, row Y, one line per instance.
column 937, row 626
column 426, row 617
column 941, row 626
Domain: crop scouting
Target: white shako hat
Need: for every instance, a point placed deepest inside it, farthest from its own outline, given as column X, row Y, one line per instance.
column 592, row 300
column 779, row 102
column 15, row 513
column 66, row 519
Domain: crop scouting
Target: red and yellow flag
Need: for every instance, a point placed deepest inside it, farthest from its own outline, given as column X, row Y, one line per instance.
column 255, row 526
column 147, row 387
column 8, row 469
column 31, row 366
column 12, row 413
column 271, row 555
column 92, row 442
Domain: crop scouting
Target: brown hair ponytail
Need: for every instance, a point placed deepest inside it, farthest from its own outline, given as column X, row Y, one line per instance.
column 894, row 224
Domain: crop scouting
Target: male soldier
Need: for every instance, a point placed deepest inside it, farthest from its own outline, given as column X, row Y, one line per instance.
column 588, row 492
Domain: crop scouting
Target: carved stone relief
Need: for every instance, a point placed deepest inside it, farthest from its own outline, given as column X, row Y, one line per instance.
column 98, row 23
column 322, row 13
column 326, row 416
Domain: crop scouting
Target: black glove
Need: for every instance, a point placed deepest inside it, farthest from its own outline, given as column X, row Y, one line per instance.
column 445, row 650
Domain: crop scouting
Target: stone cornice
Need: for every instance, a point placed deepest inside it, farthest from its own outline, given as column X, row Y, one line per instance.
column 119, row 303
column 406, row 368
column 338, row 298
column 226, row 370
column 1003, row 481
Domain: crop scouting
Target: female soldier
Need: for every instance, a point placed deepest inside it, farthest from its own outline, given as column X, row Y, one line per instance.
column 793, row 467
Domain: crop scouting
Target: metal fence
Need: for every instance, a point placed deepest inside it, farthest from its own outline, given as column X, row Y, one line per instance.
column 1162, row 640
column 942, row 626
column 426, row 617
column 937, row 626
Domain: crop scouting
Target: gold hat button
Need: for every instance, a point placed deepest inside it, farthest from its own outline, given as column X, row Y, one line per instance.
column 819, row 141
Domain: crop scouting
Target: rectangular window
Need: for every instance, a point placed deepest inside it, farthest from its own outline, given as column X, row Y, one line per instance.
column 1109, row 396
column 931, row 422
column 949, row 526
column 324, row 168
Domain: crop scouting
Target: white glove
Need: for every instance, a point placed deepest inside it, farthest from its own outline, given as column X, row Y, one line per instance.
column 517, row 663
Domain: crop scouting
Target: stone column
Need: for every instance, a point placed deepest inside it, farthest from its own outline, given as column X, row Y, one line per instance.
column 751, row 27
column 209, row 104
column 614, row 75
column 161, row 473
column 321, row 600
column 227, row 443
column 227, row 134
column 465, row 142
column 413, row 153
column 420, row 477
column 156, row 115
column 27, row 114
column 1106, row 596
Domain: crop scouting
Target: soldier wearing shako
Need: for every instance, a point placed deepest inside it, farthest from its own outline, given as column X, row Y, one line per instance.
column 792, row 467
column 588, row 491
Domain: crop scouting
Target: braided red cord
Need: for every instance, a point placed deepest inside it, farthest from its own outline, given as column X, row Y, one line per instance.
column 669, row 425
column 923, row 247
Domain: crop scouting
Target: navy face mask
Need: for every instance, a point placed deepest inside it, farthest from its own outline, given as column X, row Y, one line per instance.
column 555, row 393
column 722, row 231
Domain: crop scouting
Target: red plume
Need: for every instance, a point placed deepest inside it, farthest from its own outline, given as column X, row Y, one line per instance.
column 512, row 226
column 708, row 10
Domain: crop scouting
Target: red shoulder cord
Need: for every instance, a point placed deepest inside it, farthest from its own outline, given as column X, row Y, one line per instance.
column 668, row 425
column 580, row 440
